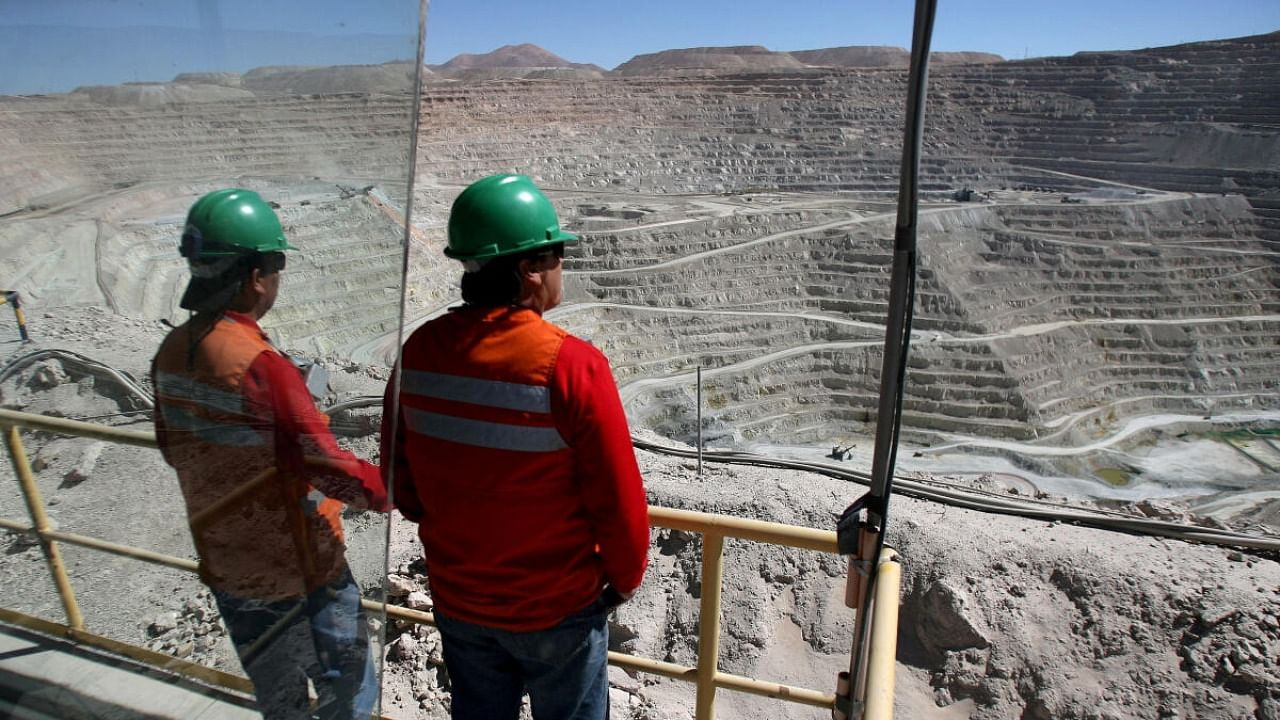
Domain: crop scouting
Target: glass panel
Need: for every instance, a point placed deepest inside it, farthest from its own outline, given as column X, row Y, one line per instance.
column 115, row 119
column 1075, row 308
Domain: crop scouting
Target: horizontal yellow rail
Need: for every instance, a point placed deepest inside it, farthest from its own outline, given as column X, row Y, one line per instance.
column 62, row 426
column 714, row 529
column 744, row 528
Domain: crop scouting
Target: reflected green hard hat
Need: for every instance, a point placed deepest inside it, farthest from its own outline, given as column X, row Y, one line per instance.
column 230, row 222
column 502, row 215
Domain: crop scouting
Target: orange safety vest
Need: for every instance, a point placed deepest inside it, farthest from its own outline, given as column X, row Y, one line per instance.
column 506, row 534
column 273, row 539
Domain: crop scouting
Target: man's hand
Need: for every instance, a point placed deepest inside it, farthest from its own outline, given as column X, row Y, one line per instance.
column 613, row 598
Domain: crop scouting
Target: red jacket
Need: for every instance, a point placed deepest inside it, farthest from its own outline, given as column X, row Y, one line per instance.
column 228, row 410
column 511, row 451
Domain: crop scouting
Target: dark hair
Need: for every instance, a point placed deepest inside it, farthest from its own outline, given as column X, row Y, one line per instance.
column 497, row 282
column 214, row 293
column 246, row 263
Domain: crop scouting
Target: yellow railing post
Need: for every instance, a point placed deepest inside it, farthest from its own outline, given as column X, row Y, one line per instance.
column 11, row 297
column 40, row 522
column 709, row 624
column 883, row 650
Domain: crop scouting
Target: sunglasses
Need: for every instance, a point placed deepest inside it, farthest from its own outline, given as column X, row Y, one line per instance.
column 271, row 263
column 556, row 251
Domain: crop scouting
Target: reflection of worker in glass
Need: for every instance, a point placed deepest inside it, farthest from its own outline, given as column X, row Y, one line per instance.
column 511, row 451
column 263, row 479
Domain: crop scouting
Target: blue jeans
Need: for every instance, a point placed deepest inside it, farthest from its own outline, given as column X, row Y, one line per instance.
column 323, row 637
column 564, row 668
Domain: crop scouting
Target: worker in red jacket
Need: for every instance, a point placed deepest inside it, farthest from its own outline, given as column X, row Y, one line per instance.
column 263, row 479
column 506, row 442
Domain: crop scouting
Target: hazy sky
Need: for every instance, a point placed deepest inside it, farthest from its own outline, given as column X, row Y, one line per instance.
column 54, row 45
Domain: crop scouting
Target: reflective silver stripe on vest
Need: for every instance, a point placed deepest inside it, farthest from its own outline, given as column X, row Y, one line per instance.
column 213, row 398
column 499, row 436
column 226, row 434
column 491, row 393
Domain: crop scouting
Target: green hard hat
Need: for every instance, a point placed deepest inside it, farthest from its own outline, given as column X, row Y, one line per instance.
column 230, row 222
column 502, row 215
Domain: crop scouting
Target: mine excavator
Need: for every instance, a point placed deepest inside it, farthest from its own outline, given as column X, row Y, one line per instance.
column 841, row 453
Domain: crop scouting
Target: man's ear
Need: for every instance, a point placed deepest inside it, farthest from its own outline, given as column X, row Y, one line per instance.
column 251, row 288
column 255, row 281
column 528, row 269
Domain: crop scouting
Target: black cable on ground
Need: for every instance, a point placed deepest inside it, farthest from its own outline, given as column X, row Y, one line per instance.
column 990, row 502
column 968, row 498
column 86, row 364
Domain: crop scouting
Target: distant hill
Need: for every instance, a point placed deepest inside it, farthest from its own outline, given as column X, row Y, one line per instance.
column 742, row 58
column 388, row 78
column 855, row 56
column 1248, row 43
column 964, row 58
column 754, row 58
column 884, row 56
column 526, row 55
column 385, row 78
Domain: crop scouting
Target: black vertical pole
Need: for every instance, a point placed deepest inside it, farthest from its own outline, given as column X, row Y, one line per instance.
column 871, row 529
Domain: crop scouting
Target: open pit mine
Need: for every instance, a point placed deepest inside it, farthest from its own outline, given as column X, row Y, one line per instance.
column 1097, row 323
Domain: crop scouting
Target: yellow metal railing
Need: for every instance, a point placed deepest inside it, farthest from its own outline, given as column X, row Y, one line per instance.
column 713, row 528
